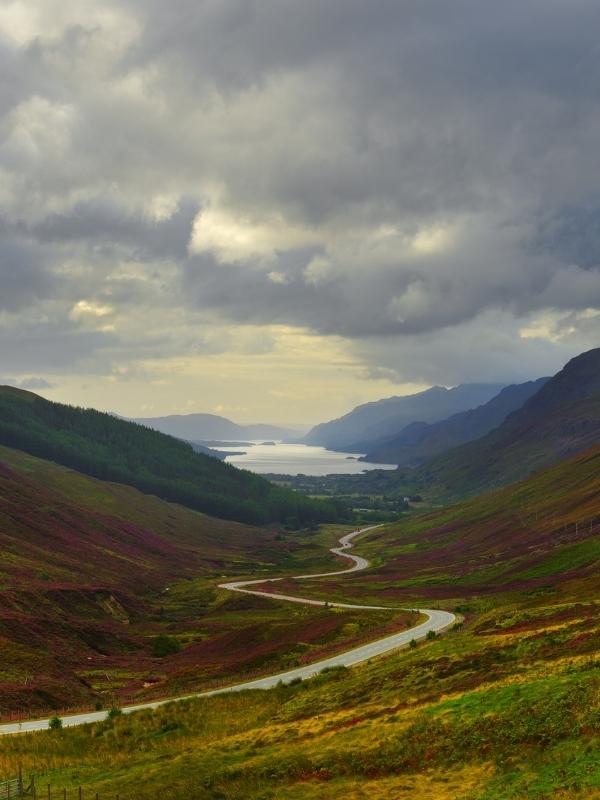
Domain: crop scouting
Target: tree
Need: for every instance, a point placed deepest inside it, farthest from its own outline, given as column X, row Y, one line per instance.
column 163, row 646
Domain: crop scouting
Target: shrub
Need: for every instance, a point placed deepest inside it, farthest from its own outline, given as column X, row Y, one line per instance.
column 55, row 723
column 113, row 712
column 431, row 635
column 412, row 643
column 163, row 646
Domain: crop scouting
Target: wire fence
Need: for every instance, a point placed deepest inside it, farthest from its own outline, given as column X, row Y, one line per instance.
column 11, row 789
column 15, row 788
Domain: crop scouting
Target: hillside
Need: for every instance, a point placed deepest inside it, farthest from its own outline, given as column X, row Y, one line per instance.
column 209, row 427
column 113, row 449
column 357, row 430
column 539, row 531
column 81, row 562
column 420, row 440
column 561, row 419
column 504, row 707
column 92, row 572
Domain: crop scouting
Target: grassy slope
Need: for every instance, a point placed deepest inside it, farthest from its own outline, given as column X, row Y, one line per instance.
column 506, row 707
column 113, row 449
column 83, row 573
column 523, row 537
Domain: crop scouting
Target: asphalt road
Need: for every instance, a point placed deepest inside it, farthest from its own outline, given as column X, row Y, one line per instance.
column 436, row 621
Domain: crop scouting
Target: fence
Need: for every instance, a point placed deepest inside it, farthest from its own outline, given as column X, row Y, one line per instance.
column 14, row 789
column 11, row 789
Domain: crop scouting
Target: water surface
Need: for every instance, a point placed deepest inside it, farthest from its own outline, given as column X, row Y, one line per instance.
column 296, row 459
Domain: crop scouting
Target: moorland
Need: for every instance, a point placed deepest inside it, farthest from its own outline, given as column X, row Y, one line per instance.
column 503, row 706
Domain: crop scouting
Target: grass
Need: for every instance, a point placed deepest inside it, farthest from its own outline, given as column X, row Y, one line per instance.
column 482, row 734
column 543, row 531
column 507, row 707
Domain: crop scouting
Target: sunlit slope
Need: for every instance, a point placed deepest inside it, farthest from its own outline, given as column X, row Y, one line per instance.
column 114, row 449
column 506, row 708
column 541, row 531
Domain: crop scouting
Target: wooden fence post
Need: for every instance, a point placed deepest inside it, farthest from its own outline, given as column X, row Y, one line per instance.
column 79, row 793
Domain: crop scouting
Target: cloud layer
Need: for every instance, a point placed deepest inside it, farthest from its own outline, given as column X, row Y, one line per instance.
column 418, row 181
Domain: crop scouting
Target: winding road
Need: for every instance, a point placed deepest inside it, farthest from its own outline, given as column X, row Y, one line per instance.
column 436, row 621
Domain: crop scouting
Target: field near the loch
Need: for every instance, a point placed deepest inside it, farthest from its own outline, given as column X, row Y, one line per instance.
column 504, row 707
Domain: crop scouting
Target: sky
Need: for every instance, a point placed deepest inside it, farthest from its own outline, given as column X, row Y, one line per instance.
column 275, row 210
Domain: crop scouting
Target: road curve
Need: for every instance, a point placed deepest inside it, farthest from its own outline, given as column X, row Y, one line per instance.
column 436, row 621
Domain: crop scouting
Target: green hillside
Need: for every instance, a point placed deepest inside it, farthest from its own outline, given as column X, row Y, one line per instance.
column 504, row 707
column 116, row 450
column 541, row 531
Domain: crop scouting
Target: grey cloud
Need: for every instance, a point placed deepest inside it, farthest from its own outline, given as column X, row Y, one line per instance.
column 488, row 348
column 340, row 119
column 26, row 272
column 102, row 223
column 52, row 346
column 33, row 384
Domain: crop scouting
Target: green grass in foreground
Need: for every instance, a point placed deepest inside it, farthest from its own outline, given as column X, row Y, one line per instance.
column 511, row 705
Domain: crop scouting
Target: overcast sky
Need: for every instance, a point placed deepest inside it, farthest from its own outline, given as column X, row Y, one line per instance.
column 277, row 209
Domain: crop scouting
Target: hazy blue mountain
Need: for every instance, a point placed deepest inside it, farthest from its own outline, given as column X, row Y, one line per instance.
column 558, row 421
column 384, row 418
column 205, row 427
column 421, row 440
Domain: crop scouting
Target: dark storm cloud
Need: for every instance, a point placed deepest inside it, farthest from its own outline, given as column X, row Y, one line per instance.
column 386, row 171
column 26, row 273
column 48, row 346
column 99, row 223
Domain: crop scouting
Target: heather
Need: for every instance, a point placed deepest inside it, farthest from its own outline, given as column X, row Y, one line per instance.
column 503, row 707
column 92, row 573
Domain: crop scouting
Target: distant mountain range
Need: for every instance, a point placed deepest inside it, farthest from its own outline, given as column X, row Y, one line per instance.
column 358, row 430
column 558, row 421
column 207, row 427
column 420, row 441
